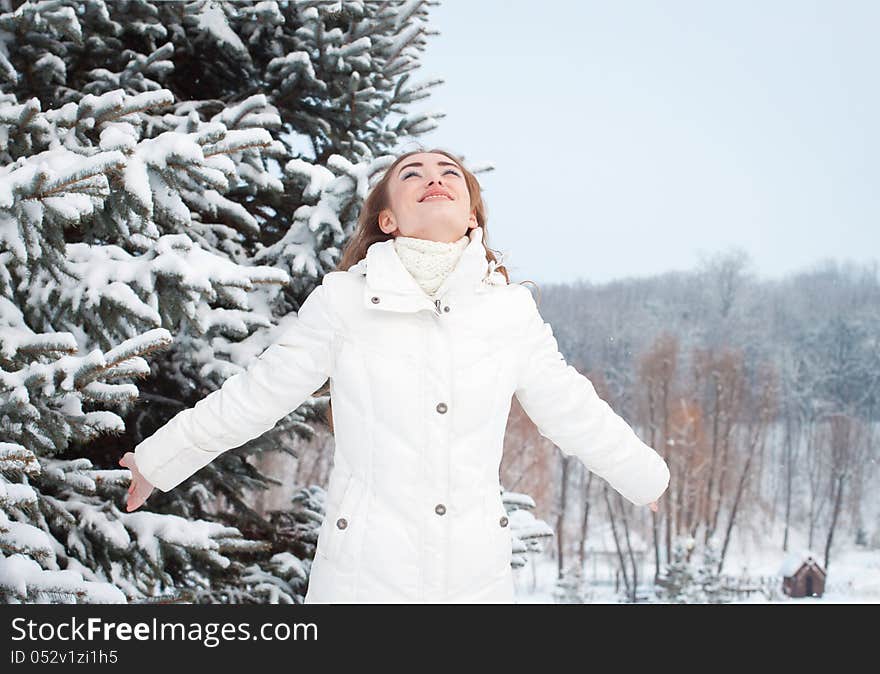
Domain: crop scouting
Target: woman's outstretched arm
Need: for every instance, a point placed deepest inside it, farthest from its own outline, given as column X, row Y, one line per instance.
column 567, row 410
column 249, row 403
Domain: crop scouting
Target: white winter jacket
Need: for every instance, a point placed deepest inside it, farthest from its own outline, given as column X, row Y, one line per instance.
column 421, row 393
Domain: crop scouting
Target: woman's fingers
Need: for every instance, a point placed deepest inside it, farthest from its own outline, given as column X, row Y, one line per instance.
column 134, row 502
column 124, row 461
column 139, row 488
column 138, row 491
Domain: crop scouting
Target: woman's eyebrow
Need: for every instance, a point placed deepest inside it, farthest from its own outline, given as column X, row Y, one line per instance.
column 418, row 163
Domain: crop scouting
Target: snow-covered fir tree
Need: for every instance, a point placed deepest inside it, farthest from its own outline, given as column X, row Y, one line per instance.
column 709, row 584
column 676, row 584
column 175, row 178
column 571, row 587
column 529, row 535
column 682, row 583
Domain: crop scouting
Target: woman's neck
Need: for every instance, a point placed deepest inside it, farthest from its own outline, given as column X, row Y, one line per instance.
column 429, row 262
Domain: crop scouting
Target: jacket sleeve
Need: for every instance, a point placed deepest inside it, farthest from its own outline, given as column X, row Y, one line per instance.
column 566, row 409
column 249, row 403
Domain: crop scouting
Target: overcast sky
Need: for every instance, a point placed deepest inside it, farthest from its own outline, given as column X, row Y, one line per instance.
column 630, row 138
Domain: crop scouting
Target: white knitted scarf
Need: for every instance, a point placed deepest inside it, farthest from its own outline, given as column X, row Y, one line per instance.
column 429, row 262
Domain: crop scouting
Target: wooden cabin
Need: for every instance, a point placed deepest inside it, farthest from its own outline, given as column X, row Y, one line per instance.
column 802, row 575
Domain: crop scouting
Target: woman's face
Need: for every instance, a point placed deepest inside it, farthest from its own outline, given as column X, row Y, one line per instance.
column 413, row 211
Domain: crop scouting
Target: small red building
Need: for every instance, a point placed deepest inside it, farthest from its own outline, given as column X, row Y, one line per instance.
column 802, row 575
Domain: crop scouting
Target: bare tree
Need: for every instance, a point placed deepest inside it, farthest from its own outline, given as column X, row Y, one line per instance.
column 847, row 435
column 793, row 433
column 634, row 567
column 720, row 377
column 763, row 409
column 582, row 544
column 690, row 461
column 567, row 469
column 618, row 546
column 722, row 277
column 657, row 370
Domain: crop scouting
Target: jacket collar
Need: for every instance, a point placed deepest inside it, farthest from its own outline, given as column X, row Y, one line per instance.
column 395, row 289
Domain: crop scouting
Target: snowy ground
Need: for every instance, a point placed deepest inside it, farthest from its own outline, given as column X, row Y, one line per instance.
column 853, row 578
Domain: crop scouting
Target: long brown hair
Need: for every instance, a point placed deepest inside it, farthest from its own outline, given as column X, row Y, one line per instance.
column 368, row 231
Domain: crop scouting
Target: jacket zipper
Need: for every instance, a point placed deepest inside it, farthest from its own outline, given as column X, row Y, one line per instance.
column 437, row 305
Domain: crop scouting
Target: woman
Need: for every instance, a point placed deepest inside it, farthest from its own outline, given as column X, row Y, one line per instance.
column 424, row 342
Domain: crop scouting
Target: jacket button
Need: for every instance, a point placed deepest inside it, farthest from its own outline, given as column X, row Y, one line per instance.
column 440, row 509
column 341, row 523
column 441, row 407
column 503, row 521
column 374, row 300
column 446, row 308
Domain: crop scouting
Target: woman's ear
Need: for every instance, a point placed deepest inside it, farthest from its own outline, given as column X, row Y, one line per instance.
column 386, row 221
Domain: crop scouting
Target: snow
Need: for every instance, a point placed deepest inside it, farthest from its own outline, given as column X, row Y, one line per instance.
column 795, row 559
column 16, row 334
column 34, row 584
column 318, row 176
column 22, row 537
column 853, row 574
column 111, row 274
column 405, row 11
column 9, row 233
column 122, row 355
column 118, row 136
column 212, row 20
column 150, row 528
column 287, row 564
column 104, row 421
column 95, row 522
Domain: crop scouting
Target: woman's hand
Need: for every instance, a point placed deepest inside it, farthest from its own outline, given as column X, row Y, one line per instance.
column 141, row 488
column 653, row 506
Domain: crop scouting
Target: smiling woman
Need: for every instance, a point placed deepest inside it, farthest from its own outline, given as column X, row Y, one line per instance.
column 397, row 206
column 422, row 373
column 430, row 180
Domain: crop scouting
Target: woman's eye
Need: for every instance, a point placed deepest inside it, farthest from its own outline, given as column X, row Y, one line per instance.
column 414, row 173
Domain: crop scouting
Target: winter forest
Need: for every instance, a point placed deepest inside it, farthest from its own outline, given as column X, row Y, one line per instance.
column 175, row 179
